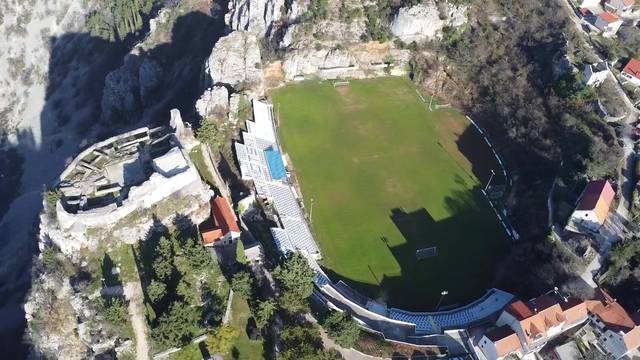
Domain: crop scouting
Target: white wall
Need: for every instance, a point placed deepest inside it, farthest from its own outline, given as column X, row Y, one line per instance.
column 586, row 218
column 488, row 348
column 631, row 79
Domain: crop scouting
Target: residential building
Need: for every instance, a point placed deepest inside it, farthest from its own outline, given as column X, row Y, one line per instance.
column 222, row 228
column 568, row 351
column 499, row 343
column 617, row 332
column 619, row 6
column 589, row 3
column 542, row 319
column 595, row 74
column 631, row 72
column 608, row 23
column 593, row 207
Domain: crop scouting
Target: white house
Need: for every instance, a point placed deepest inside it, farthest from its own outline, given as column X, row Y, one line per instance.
column 631, row 72
column 608, row 23
column 499, row 343
column 595, row 74
column 594, row 204
column 617, row 332
column 541, row 319
column 619, row 6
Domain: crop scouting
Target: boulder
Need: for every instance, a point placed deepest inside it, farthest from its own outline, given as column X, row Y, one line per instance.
column 213, row 102
column 235, row 62
column 254, row 16
column 423, row 21
column 417, row 22
column 310, row 61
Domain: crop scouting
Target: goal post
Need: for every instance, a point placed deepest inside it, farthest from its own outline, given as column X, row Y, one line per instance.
column 426, row 253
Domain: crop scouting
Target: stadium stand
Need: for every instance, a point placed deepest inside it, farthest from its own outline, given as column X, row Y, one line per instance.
column 488, row 305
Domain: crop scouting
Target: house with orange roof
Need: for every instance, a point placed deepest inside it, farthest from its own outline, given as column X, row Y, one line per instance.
column 608, row 23
column 617, row 332
column 222, row 227
column 593, row 207
column 542, row 318
column 631, row 72
column 499, row 343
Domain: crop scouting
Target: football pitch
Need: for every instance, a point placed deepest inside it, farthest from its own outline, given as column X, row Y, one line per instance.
column 384, row 177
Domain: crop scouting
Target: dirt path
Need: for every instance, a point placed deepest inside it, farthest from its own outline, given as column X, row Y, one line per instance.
column 133, row 293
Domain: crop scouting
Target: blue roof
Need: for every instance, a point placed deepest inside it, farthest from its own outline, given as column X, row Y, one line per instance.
column 276, row 166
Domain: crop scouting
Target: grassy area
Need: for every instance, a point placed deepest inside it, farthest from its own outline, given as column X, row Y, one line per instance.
column 197, row 157
column 388, row 177
column 122, row 255
column 244, row 348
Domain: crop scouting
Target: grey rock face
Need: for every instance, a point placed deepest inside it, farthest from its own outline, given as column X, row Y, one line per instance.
column 423, row 21
column 235, row 61
column 214, row 101
column 255, row 16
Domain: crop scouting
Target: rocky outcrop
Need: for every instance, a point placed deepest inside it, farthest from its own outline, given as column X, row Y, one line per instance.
column 129, row 88
column 51, row 319
column 235, row 62
column 310, row 61
column 255, row 16
column 425, row 20
column 214, row 102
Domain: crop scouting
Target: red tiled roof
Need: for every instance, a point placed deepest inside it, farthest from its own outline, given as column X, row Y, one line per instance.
column 629, row 2
column 209, row 237
column 632, row 68
column 223, row 215
column 519, row 310
column 608, row 17
column 597, row 196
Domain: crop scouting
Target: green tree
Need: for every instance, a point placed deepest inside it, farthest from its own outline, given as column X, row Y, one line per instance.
column 208, row 133
column 221, row 340
column 303, row 342
column 163, row 260
column 264, row 311
column 341, row 328
column 116, row 19
column 116, row 311
column 197, row 256
column 295, row 278
column 178, row 326
column 242, row 284
column 156, row 291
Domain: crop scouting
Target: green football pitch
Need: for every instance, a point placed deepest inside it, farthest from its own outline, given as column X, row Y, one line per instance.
column 383, row 177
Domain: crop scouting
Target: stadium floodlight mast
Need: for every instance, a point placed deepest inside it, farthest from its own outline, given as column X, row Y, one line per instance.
column 442, row 295
column 311, row 211
column 491, row 178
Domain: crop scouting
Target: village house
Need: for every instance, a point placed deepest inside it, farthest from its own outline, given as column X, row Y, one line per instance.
column 608, row 23
column 541, row 319
column 222, row 228
column 595, row 74
column 593, row 207
column 631, row 72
